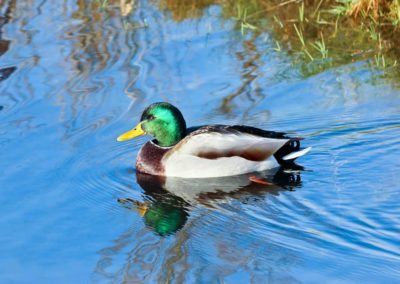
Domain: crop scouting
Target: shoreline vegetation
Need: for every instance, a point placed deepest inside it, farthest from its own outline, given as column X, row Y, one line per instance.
column 318, row 34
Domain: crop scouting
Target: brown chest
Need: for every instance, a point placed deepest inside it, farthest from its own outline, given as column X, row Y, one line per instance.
column 149, row 159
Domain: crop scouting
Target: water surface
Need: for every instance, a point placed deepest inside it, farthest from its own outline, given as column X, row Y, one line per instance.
column 74, row 76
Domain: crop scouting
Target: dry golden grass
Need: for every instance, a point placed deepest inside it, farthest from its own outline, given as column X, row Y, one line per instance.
column 367, row 6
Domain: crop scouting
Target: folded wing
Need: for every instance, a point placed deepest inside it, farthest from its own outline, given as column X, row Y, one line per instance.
column 222, row 151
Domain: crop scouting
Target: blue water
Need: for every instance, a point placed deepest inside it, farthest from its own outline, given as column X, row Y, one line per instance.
column 74, row 77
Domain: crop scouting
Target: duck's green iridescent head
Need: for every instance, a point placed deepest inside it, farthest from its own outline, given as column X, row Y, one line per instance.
column 163, row 121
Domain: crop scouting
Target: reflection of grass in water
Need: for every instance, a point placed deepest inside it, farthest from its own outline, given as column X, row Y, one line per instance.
column 331, row 32
column 317, row 34
column 184, row 9
column 326, row 33
column 241, row 18
column 319, row 46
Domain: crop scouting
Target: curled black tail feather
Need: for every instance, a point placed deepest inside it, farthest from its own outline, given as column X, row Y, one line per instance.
column 291, row 146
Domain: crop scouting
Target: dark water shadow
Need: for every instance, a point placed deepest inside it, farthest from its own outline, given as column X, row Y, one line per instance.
column 6, row 72
column 8, row 8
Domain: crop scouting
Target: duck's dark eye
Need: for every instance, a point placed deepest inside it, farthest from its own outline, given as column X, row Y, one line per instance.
column 151, row 117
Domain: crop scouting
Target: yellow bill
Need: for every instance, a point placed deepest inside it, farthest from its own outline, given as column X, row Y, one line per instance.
column 135, row 132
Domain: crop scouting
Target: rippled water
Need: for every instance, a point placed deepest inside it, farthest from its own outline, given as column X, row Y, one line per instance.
column 74, row 76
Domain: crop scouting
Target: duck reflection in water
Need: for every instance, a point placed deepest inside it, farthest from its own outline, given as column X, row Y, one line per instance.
column 168, row 200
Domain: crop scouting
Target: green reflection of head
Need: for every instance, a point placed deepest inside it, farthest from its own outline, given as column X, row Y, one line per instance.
column 165, row 218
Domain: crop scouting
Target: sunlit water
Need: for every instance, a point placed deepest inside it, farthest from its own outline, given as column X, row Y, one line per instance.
column 73, row 210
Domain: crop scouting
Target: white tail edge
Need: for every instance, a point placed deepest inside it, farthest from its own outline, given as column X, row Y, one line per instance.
column 295, row 155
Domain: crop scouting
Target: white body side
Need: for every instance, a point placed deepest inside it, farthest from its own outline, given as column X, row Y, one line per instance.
column 184, row 161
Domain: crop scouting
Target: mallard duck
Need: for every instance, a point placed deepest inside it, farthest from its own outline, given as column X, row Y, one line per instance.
column 207, row 151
